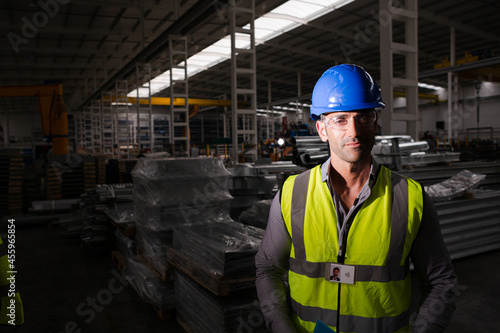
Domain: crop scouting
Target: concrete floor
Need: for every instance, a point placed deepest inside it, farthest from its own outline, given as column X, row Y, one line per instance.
column 57, row 279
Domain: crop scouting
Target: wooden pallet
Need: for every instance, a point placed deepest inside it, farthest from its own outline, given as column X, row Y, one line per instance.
column 128, row 229
column 183, row 324
column 217, row 284
column 165, row 275
column 164, row 314
column 119, row 261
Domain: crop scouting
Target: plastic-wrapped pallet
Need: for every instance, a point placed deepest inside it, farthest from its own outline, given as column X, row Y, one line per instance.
column 226, row 248
column 148, row 285
column 170, row 192
column 181, row 182
column 125, row 244
column 455, row 186
column 257, row 214
column 204, row 312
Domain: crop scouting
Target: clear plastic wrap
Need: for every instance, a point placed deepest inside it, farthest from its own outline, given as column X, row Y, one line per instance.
column 225, row 248
column 455, row 186
column 124, row 244
column 257, row 214
column 152, row 245
column 121, row 213
column 165, row 218
column 172, row 182
column 204, row 312
column 148, row 285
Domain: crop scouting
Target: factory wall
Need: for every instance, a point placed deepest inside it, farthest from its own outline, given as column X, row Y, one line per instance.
column 434, row 117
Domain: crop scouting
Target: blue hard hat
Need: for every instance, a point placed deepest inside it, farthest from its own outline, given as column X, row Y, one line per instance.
column 345, row 88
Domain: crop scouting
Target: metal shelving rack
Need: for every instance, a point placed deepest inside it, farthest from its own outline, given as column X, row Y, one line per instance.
column 96, row 128
column 124, row 122
column 178, row 90
column 144, row 110
column 243, row 77
column 108, row 124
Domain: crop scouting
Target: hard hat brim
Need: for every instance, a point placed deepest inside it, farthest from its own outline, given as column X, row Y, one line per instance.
column 316, row 112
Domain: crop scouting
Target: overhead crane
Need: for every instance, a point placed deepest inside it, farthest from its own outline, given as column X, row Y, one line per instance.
column 52, row 110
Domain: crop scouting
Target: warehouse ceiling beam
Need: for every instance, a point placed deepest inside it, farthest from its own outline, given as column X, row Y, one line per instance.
column 443, row 20
column 201, row 12
column 461, row 68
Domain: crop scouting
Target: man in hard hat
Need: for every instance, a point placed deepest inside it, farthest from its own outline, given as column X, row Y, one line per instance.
column 359, row 216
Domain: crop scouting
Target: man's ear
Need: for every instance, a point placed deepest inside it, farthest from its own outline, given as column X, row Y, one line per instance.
column 321, row 128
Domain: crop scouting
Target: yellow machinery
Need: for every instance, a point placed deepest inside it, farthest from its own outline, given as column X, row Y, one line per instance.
column 52, row 111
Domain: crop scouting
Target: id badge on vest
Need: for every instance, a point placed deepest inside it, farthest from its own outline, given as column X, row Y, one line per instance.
column 340, row 273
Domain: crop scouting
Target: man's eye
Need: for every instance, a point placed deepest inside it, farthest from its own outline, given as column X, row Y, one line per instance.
column 340, row 121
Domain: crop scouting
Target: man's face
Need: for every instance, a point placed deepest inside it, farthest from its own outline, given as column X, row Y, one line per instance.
column 335, row 272
column 350, row 135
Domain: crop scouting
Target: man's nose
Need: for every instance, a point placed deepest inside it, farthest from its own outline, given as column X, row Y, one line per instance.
column 352, row 128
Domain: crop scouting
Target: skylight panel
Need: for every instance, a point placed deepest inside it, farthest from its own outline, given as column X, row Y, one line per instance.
column 299, row 9
column 286, row 17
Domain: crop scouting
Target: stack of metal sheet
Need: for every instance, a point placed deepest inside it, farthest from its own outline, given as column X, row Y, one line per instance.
column 471, row 225
column 149, row 286
column 200, row 311
column 225, row 248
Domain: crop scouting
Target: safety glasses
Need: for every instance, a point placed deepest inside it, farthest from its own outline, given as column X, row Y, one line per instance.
column 341, row 122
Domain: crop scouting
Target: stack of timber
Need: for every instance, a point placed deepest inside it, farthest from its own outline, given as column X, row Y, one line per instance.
column 68, row 176
column 12, row 179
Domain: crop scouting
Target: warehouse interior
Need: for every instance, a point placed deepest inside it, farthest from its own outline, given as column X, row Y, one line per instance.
column 142, row 141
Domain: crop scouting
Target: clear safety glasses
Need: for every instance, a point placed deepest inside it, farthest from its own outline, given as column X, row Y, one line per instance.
column 341, row 122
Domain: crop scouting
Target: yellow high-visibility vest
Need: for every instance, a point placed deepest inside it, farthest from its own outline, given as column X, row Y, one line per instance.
column 378, row 243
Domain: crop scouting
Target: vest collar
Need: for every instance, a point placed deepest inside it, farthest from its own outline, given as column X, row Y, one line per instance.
column 373, row 171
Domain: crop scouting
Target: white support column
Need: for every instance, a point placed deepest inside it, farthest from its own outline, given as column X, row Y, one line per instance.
column 125, row 136
column 179, row 114
column 243, row 77
column 143, row 107
column 408, row 80
column 96, row 127
column 451, row 89
column 108, row 124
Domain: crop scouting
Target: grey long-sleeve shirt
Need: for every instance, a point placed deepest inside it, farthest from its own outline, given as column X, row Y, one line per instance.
column 428, row 254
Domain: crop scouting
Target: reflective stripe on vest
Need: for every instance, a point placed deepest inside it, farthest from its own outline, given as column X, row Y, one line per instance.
column 379, row 301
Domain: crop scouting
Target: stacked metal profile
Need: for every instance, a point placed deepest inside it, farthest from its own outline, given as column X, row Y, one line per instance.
column 247, row 186
column 309, row 151
column 90, row 223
